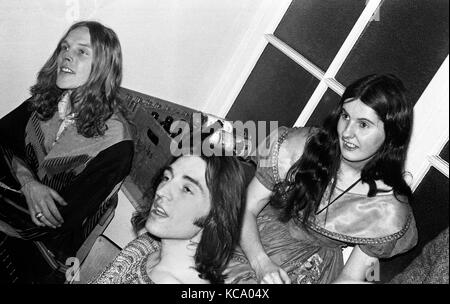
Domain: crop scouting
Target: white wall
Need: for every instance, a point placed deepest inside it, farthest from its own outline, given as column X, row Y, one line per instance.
column 176, row 50
column 183, row 51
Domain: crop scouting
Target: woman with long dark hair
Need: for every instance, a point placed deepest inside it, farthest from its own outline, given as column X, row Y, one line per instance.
column 192, row 225
column 71, row 153
column 322, row 189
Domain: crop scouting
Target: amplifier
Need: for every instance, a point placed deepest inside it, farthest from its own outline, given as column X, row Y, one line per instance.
column 151, row 119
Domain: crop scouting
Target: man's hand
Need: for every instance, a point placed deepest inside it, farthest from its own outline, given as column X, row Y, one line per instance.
column 43, row 199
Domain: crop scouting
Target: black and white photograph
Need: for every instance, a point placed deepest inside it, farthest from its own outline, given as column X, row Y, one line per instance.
column 224, row 147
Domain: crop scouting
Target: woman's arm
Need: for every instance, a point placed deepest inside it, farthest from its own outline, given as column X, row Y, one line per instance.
column 266, row 271
column 257, row 198
column 359, row 265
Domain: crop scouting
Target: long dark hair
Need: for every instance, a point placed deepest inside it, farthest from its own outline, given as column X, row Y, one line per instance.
column 99, row 96
column 225, row 179
column 301, row 192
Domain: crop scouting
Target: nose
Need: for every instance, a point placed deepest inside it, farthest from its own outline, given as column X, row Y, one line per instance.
column 67, row 55
column 164, row 190
column 349, row 130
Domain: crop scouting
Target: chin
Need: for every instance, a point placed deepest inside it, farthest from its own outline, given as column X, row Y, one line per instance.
column 156, row 229
column 351, row 160
column 64, row 86
column 351, row 156
column 149, row 225
column 347, row 157
column 154, row 232
column 359, row 160
column 66, row 83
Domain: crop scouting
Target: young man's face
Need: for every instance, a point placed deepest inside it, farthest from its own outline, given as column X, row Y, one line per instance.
column 182, row 197
column 75, row 59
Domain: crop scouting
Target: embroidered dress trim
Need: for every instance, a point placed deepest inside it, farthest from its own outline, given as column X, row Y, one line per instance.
column 357, row 240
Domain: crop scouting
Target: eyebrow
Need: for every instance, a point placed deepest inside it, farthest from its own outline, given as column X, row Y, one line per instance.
column 81, row 44
column 168, row 168
column 187, row 177
column 194, row 181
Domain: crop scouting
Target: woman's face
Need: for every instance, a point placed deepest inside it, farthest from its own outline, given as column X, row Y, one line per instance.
column 75, row 59
column 181, row 198
column 361, row 132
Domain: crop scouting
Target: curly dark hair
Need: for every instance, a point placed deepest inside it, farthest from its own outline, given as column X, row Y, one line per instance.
column 302, row 191
column 225, row 179
column 99, row 96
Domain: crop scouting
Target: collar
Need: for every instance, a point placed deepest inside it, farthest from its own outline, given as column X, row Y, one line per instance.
column 65, row 107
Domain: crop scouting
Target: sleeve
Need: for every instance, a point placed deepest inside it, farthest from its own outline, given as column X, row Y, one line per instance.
column 12, row 129
column 402, row 242
column 115, row 271
column 109, row 275
column 278, row 152
column 127, row 260
column 89, row 189
column 266, row 157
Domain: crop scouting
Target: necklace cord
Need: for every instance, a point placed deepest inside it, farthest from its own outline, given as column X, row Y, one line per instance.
column 343, row 192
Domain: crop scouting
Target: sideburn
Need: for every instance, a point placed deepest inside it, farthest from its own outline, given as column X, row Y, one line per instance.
column 202, row 221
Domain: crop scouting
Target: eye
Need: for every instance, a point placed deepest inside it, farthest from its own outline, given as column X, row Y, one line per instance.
column 64, row 47
column 187, row 189
column 165, row 178
column 363, row 125
column 83, row 52
column 344, row 116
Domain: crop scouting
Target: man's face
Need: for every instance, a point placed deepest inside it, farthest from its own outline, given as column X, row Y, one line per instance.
column 181, row 198
column 75, row 59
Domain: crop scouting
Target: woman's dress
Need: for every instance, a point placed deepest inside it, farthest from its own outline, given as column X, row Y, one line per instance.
column 382, row 226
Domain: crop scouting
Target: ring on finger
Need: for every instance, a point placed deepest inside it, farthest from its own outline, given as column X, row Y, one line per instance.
column 39, row 215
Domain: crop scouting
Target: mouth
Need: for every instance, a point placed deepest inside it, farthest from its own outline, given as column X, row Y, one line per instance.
column 65, row 69
column 158, row 210
column 349, row 146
